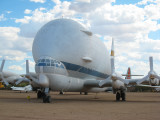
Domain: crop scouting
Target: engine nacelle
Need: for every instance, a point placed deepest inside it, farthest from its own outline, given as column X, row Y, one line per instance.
column 154, row 82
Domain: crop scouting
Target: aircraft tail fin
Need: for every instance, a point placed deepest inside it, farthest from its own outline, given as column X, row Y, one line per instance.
column 128, row 73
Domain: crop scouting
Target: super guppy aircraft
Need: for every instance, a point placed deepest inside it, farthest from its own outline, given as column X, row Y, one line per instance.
column 70, row 58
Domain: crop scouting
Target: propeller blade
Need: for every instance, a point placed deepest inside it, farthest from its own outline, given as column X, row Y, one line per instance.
column 158, row 77
column 2, row 65
column 112, row 65
column 123, row 80
column 27, row 67
column 112, row 57
column 1, row 69
column 103, row 82
column 18, row 81
column 143, row 79
column 112, row 48
column 3, row 80
column 151, row 63
column 28, row 74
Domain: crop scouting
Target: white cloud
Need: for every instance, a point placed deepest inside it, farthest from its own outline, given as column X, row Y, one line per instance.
column 2, row 18
column 15, row 67
column 152, row 11
column 88, row 6
column 88, row 1
column 144, row 2
column 8, row 12
column 36, row 1
column 27, row 11
column 40, row 17
column 14, row 47
column 57, row 1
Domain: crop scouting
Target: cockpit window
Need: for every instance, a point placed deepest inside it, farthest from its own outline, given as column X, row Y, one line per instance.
column 49, row 62
column 43, row 60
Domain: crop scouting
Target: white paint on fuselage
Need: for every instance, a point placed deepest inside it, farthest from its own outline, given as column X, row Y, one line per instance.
column 63, row 40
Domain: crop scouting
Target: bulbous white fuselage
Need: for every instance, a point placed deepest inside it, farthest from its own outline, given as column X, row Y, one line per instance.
column 69, row 54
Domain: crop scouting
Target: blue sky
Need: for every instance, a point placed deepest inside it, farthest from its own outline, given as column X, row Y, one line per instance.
column 134, row 24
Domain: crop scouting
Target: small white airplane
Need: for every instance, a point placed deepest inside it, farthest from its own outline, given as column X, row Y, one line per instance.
column 26, row 88
column 8, row 77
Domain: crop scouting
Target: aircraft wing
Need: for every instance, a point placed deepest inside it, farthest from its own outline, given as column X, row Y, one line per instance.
column 135, row 81
column 148, row 86
column 95, row 83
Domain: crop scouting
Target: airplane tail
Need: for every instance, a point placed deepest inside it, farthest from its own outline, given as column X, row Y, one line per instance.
column 128, row 73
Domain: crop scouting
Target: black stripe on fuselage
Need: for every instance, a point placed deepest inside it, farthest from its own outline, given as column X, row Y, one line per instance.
column 78, row 68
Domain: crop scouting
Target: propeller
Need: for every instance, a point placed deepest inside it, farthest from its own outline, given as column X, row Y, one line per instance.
column 114, row 76
column 22, row 79
column 151, row 74
column 42, row 78
column 1, row 73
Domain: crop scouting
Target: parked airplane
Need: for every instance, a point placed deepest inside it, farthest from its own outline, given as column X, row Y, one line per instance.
column 8, row 77
column 26, row 88
column 70, row 58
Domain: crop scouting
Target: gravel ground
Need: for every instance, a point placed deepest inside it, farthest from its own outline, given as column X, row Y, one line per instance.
column 73, row 106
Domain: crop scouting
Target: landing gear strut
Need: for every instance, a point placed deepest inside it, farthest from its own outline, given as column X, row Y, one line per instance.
column 46, row 97
column 120, row 94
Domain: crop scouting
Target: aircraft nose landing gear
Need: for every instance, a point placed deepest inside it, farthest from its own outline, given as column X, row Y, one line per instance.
column 44, row 94
column 46, row 97
column 120, row 94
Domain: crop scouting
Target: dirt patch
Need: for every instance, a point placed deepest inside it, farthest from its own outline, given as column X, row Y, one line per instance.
column 73, row 106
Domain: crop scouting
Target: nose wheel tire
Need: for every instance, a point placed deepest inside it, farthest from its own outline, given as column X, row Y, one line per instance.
column 123, row 96
column 118, row 96
column 40, row 94
column 46, row 99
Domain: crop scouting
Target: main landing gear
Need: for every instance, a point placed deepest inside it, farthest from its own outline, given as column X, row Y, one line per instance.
column 120, row 94
column 44, row 94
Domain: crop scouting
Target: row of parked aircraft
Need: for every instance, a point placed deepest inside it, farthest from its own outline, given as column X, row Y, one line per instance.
column 71, row 59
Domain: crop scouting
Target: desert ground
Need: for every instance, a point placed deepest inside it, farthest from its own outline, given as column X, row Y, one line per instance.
column 73, row 106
